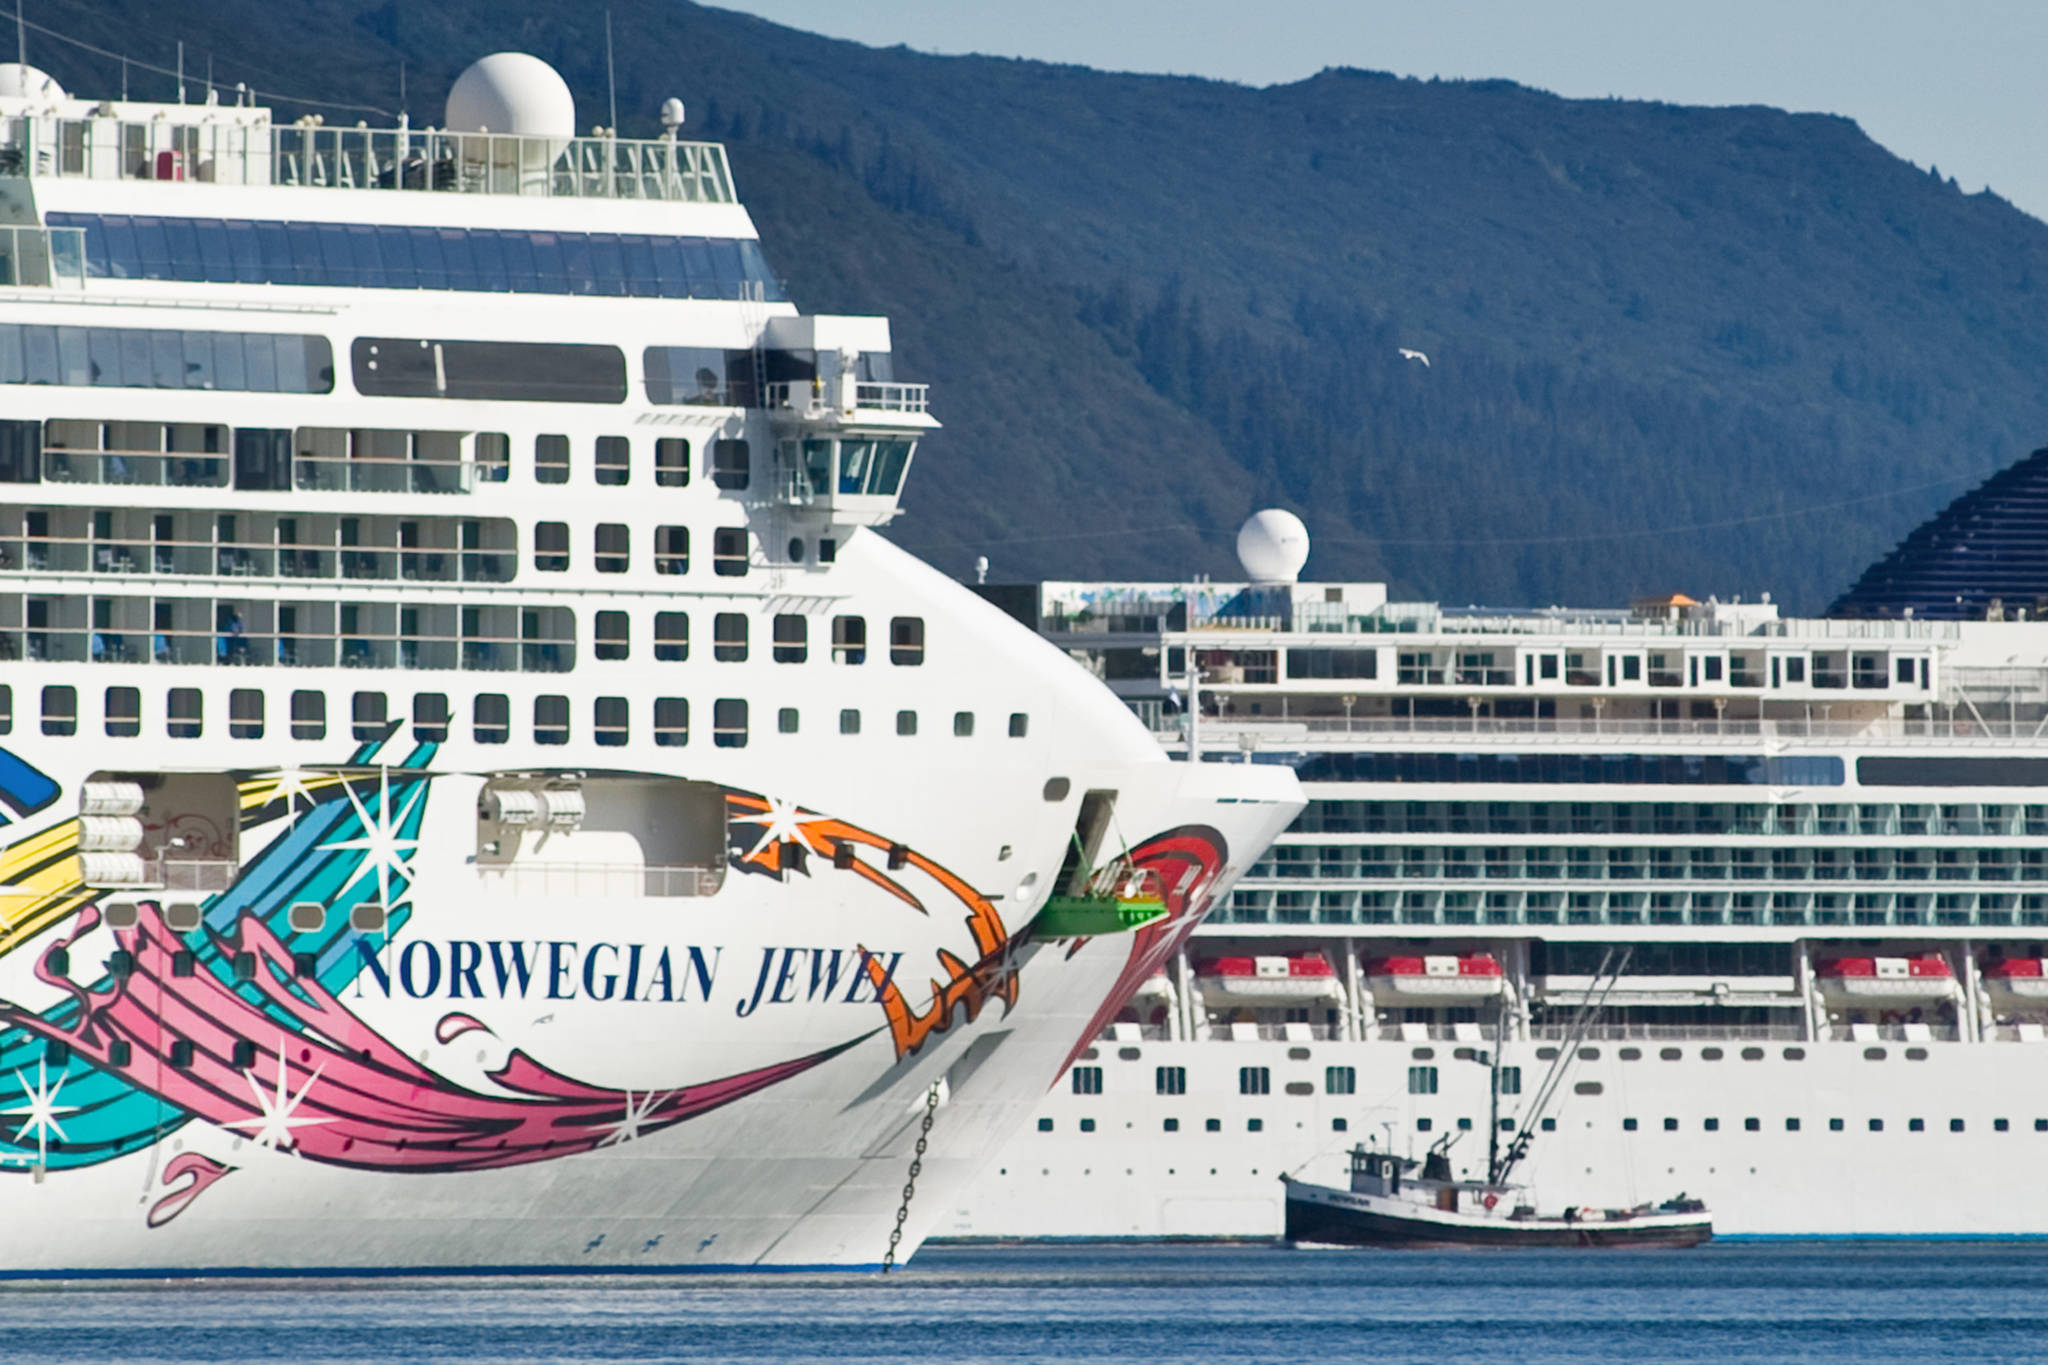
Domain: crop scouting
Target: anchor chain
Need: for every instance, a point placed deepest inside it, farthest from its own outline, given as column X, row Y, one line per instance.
column 924, row 1133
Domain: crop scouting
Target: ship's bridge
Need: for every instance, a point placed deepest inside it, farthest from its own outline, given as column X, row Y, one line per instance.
column 845, row 429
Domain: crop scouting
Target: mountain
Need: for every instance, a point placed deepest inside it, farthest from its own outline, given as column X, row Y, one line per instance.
column 1704, row 349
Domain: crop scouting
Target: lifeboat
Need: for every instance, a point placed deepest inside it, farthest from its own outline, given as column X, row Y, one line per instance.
column 1268, row 978
column 1889, row 979
column 2017, row 980
column 1434, row 978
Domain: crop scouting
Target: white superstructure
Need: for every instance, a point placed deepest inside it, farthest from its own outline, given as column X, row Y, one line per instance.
column 1817, row 851
column 479, row 791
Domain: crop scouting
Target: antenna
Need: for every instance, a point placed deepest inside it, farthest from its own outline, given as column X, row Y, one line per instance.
column 401, row 85
column 20, row 33
column 181, row 70
column 611, row 77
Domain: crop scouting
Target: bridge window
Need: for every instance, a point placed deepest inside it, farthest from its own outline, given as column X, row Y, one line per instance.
column 614, row 635
column 671, row 549
column 609, row 723
column 614, row 461
column 671, row 636
column 550, row 720
column 731, row 464
column 729, row 723
column 491, row 718
column 729, row 637
column 849, row 639
column 791, row 640
column 906, row 640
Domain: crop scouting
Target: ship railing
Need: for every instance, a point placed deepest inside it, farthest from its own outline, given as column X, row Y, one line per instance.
column 255, row 646
column 1270, row 1033
column 1134, row 1033
column 1893, row 1033
column 2020, row 1032
column 598, row 879
column 1622, row 1032
column 1233, row 732
column 166, row 874
column 233, row 147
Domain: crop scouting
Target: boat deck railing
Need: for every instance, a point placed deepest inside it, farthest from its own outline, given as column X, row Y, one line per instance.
column 229, row 147
column 599, row 879
column 1225, row 733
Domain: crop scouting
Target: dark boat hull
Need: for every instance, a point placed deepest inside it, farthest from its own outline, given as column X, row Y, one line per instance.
column 1320, row 1219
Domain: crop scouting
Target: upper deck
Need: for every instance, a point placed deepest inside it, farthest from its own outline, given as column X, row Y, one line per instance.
column 228, row 145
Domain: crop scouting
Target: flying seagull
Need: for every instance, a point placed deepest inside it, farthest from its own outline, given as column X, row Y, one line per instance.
column 1407, row 354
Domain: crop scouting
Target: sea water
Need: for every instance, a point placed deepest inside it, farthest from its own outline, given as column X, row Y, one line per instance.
column 1729, row 1302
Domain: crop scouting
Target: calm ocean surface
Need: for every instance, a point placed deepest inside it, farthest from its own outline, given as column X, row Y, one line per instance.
column 1732, row 1302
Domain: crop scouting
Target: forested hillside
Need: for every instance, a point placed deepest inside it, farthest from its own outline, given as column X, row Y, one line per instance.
column 1716, row 350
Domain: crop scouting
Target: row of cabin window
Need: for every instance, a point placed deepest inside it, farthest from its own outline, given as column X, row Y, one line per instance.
column 547, row 643
column 371, row 717
column 1251, row 1080
column 324, row 459
column 612, row 549
column 731, row 465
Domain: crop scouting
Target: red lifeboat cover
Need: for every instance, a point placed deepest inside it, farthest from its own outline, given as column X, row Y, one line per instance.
column 2015, row 969
column 1925, row 965
column 1470, row 964
column 1312, row 965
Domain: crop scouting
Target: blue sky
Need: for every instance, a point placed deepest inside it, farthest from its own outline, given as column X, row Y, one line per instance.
column 1957, row 84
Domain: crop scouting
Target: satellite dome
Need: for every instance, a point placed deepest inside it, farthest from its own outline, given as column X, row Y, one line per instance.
column 510, row 92
column 1272, row 545
column 21, row 81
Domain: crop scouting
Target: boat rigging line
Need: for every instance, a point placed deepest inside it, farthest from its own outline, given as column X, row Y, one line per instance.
column 1602, row 986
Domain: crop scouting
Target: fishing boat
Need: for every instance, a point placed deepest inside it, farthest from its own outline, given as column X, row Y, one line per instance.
column 1386, row 1206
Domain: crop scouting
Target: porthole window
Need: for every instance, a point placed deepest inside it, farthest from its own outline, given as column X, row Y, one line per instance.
column 849, row 640
column 367, row 718
column 1671, row 1125
column 124, row 712
column 614, row 547
column 849, row 722
column 729, row 723
column 786, row 720
column 367, row 918
column 671, row 462
column 609, row 724
column 430, row 716
column 1019, row 724
column 671, row 722
column 614, row 461
column 550, row 719
column 60, row 710
column 1056, row 788
column 671, row 636
column 729, row 552
column 792, row 639
column 1791, row 1125
column 796, row 550
column 963, row 724
column 729, row 637
column 551, row 546
column 906, row 722
column 671, row 549
column 551, row 459
column 491, row 715
column 308, row 917
column 245, row 713
column 906, row 640
column 185, row 713
column 731, row 465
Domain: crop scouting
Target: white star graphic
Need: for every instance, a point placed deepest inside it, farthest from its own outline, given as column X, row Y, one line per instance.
column 384, row 852
column 783, row 820
column 638, row 1113
column 273, row 1127
column 41, row 1110
column 292, row 783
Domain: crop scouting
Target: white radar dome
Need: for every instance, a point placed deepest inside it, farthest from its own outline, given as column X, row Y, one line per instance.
column 510, row 92
column 1272, row 546
column 23, row 82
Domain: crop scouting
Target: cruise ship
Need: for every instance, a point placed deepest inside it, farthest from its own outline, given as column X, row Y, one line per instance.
column 477, row 789
column 1795, row 872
